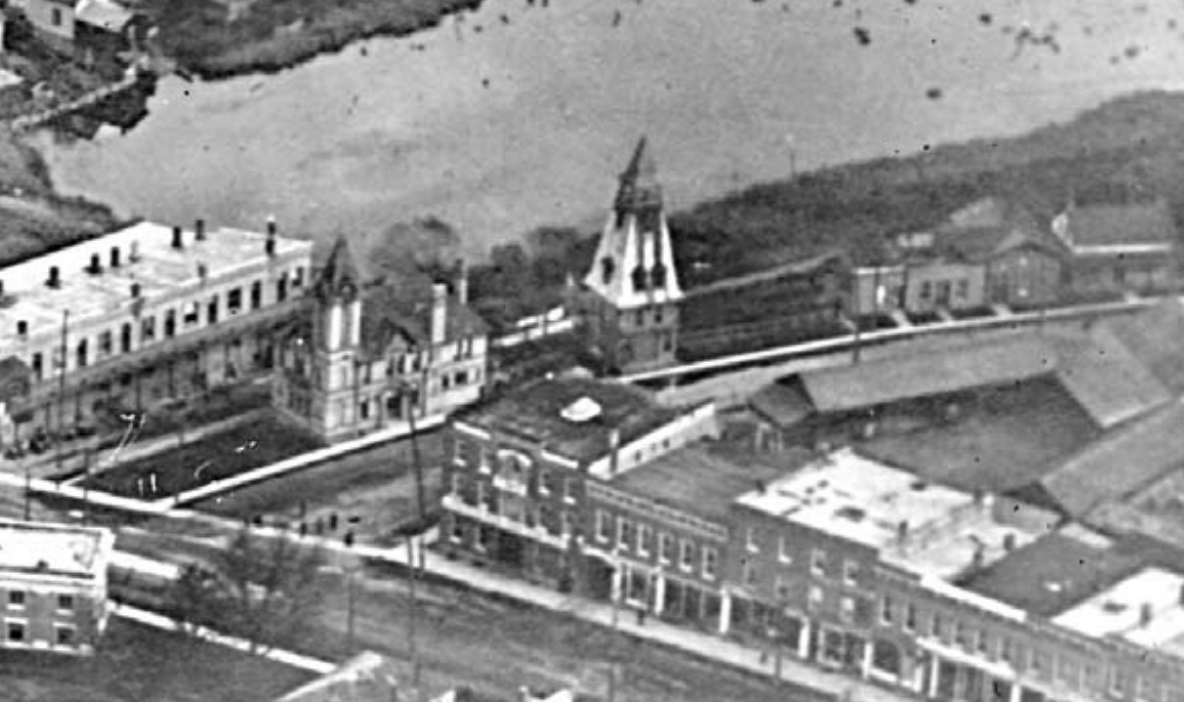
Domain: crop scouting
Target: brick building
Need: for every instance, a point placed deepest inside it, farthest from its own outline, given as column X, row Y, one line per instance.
column 519, row 468
column 53, row 586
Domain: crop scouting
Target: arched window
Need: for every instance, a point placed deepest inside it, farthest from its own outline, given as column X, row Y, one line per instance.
column 607, row 268
column 658, row 275
column 639, row 279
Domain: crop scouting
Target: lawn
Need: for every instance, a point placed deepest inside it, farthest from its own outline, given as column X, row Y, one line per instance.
column 1010, row 439
column 139, row 664
column 211, row 458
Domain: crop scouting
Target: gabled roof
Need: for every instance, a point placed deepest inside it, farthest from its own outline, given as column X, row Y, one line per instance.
column 104, row 14
column 1125, row 224
column 1105, row 379
column 1156, row 338
column 992, row 225
column 783, row 404
column 1120, row 464
column 367, row 677
column 927, row 374
column 403, row 308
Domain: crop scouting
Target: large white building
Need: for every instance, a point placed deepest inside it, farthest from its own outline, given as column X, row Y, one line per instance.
column 53, row 586
column 139, row 316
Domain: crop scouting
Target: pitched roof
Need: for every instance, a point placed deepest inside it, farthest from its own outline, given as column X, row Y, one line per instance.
column 367, row 677
column 1156, row 338
column 927, row 374
column 404, row 308
column 104, row 14
column 339, row 270
column 1104, row 378
column 782, row 403
column 1121, row 463
column 1126, row 224
column 639, row 181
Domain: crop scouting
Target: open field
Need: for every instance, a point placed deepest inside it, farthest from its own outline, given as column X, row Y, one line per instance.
column 211, row 458
column 139, row 664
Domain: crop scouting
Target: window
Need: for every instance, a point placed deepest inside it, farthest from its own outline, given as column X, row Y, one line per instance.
column 847, row 609
column 818, row 563
column 482, row 500
column 234, row 301
column 747, row 573
column 665, row 548
column 457, row 532
column 603, row 525
column 256, row 295
column 190, row 314
column 65, row 603
column 1040, row 663
column 457, row 482
column 935, row 626
column 783, row 551
column 298, row 277
column 639, row 317
column 781, row 588
column 64, row 634
column 565, row 523
column 643, row 539
column 926, row 290
column 147, row 332
column 462, row 378
column 910, row 617
column 710, row 563
column 212, row 310
column 814, row 598
column 750, row 541
column 281, row 287
column 1006, row 652
column 962, row 635
column 16, row 631
column 569, row 490
column 56, row 17
column 658, row 314
column 170, row 324
column 125, row 338
column 82, row 353
column 850, row 572
column 1145, row 690
column 1069, row 672
column 1119, row 682
column 624, row 533
column 36, row 364
column 686, row 559
column 544, row 480
column 16, row 599
column 886, row 610
column 982, row 642
column 105, row 343
column 963, row 289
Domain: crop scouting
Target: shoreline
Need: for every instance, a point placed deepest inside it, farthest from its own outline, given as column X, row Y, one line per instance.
column 265, row 41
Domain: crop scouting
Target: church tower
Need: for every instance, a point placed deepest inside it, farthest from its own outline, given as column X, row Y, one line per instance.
column 337, row 337
column 632, row 319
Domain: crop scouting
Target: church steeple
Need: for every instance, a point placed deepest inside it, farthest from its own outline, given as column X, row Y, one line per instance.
column 339, row 276
column 639, row 189
column 339, row 302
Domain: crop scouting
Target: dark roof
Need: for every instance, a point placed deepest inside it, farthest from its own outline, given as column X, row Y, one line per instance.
column 702, row 480
column 404, row 308
column 1056, row 571
column 1156, row 338
column 339, row 271
column 1121, row 463
column 15, row 377
column 783, row 403
column 991, row 225
column 639, row 182
column 533, row 412
column 927, row 374
column 1118, row 224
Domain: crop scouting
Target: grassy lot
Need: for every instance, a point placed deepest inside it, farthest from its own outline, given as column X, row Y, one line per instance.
column 208, row 459
column 1010, row 440
column 271, row 35
column 139, row 664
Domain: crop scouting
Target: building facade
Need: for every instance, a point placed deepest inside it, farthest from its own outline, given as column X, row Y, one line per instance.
column 1118, row 247
column 374, row 356
column 519, row 469
column 53, row 586
column 632, row 292
column 145, row 315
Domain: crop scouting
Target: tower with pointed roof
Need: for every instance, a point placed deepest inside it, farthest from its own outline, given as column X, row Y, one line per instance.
column 336, row 341
column 632, row 315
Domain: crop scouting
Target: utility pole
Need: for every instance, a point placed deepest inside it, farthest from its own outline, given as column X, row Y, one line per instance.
column 62, row 392
column 349, row 623
column 414, row 559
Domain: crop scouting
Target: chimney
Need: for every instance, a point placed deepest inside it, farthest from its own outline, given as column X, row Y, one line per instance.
column 22, row 330
column 54, row 280
column 135, row 290
column 199, row 230
column 178, row 243
column 271, row 232
column 272, row 227
column 135, row 252
column 1145, row 614
column 115, row 257
column 202, row 271
column 760, row 487
column 96, row 265
column 462, row 282
column 614, row 447
column 439, row 313
column 902, row 531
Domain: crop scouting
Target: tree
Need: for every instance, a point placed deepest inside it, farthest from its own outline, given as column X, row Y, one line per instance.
column 266, row 590
column 424, row 245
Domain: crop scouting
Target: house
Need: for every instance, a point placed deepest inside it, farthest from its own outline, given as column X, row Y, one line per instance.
column 373, row 355
column 1117, row 247
column 94, row 32
column 53, row 586
column 519, row 468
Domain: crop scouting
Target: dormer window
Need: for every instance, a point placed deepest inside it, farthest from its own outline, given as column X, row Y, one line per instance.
column 639, row 279
column 607, row 268
column 659, row 276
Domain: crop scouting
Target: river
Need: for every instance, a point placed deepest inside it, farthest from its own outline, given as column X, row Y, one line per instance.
column 529, row 120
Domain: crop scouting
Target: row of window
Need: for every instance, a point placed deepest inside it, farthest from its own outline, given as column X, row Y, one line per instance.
column 18, row 599
column 960, row 288
column 1074, row 672
column 189, row 315
column 639, row 538
column 17, row 631
column 820, row 561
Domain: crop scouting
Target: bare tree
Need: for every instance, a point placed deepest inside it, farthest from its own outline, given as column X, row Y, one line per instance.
column 265, row 590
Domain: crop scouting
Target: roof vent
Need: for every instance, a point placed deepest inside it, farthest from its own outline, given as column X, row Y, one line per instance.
column 584, row 409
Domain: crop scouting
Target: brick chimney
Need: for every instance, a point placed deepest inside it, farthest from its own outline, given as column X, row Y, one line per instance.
column 54, row 280
column 614, row 448
column 135, row 290
column 272, row 230
column 115, row 257
column 199, row 230
column 439, row 313
column 178, row 241
column 22, row 328
column 462, row 282
column 96, row 265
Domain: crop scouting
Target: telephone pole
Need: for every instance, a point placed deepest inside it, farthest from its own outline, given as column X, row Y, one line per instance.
column 62, row 391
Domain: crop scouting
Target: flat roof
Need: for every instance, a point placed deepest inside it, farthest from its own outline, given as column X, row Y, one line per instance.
column 536, row 413
column 928, row 374
column 856, row 498
column 1056, row 571
column 52, row 549
column 159, row 270
column 1144, row 608
column 701, row 479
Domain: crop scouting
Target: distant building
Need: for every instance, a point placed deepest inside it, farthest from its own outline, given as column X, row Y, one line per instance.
column 632, row 292
column 1119, row 247
column 519, row 469
column 91, row 31
column 376, row 354
column 53, row 585
column 141, row 316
